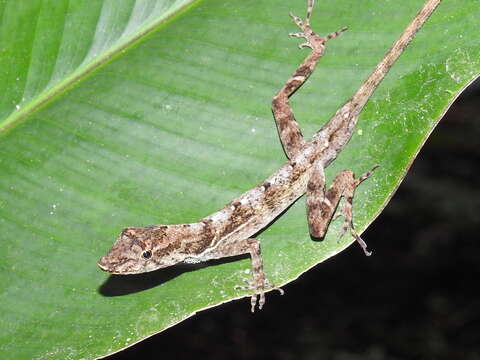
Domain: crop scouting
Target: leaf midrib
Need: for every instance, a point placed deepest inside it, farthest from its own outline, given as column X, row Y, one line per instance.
column 83, row 71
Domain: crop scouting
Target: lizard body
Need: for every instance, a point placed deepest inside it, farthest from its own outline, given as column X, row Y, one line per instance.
column 229, row 231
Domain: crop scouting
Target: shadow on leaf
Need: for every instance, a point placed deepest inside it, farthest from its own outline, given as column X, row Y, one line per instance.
column 118, row 285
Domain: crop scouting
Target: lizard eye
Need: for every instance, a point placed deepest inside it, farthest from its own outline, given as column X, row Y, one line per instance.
column 147, row 254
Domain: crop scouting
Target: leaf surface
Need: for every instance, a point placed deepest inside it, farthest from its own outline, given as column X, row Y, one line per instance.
column 132, row 113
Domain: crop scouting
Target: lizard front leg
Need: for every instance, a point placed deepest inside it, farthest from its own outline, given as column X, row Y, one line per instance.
column 258, row 283
column 322, row 204
column 288, row 128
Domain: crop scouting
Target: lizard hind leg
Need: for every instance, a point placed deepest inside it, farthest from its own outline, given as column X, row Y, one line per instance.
column 322, row 204
column 347, row 211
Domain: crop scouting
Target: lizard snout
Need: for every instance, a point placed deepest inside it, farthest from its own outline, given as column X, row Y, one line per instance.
column 104, row 264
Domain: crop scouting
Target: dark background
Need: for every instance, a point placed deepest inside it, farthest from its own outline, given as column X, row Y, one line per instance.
column 416, row 298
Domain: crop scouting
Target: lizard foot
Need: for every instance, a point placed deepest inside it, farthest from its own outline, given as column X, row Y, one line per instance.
column 314, row 41
column 259, row 287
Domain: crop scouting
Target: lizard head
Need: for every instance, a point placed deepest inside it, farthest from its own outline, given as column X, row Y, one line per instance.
column 139, row 250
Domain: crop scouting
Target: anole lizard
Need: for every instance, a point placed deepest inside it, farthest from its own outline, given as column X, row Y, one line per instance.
column 229, row 231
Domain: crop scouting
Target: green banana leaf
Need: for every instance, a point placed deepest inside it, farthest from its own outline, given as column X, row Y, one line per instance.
column 130, row 113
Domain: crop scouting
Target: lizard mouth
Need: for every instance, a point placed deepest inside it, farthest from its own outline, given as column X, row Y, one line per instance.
column 102, row 264
column 117, row 268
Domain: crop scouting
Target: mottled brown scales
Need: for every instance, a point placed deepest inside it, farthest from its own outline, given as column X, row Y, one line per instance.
column 204, row 238
column 293, row 85
column 303, row 70
column 296, row 174
column 197, row 247
column 230, row 231
column 239, row 216
column 171, row 247
column 332, row 194
column 311, row 186
column 288, row 129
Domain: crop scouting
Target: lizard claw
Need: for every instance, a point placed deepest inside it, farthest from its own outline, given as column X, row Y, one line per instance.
column 298, row 34
column 297, row 20
column 302, row 35
column 305, row 44
column 259, row 288
column 244, row 287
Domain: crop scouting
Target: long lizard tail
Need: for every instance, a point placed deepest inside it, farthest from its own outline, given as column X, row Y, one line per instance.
column 360, row 98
